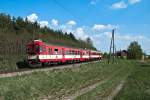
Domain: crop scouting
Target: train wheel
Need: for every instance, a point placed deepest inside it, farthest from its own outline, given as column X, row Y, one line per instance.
column 43, row 64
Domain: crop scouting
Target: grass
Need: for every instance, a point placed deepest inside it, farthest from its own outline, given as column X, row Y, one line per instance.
column 9, row 63
column 137, row 86
column 105, row 89
column 55, row 83
column 61, row 83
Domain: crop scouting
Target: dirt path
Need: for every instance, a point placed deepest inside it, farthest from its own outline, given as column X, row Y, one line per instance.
column 77, row 93
column 83, row 91
column 116, row 91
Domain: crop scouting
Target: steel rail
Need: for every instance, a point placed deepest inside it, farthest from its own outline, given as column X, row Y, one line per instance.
column 29, row 71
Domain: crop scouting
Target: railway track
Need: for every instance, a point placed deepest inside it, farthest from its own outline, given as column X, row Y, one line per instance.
column 20, row 72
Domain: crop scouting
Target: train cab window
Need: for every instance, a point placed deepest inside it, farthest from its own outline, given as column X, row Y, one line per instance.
column 41, row 48
column 50, row 51
column 36, row 48
column 55, row 51
column 30, row 49
column 44, row 48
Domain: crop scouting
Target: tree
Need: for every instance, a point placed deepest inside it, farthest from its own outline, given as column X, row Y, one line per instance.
column 72, row 36
column 134, row 51
column 105, row 55
column 89, row 41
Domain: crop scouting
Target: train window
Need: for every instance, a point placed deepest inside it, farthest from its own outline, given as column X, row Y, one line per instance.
column 50, row 51
column 75, row 52
column 70, row 52
column 55, row 51
column 66, row 51
column 78, row 52
column 44, row 48
column 41, row 49
column 36, row 48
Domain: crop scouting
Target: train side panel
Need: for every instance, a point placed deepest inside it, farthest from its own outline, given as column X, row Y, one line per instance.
column 47, row 54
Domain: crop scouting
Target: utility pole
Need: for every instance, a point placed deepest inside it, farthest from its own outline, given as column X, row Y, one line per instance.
column 112, row 46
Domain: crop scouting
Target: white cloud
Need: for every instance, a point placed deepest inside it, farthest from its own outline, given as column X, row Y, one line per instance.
column 119, row 5
column 71, row 23
column 32, row 18
column 54, row 22
column 122, row 4
column 43, row 23
column 68, row 27
column 93, row 2
column 80, row 33
column 129, row 37
column 126, row 37
column 133, row 1
column 102, row 40
column 107, row 34
column 103, row 27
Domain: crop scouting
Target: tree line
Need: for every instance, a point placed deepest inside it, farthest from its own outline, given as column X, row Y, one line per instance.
column 134, row 51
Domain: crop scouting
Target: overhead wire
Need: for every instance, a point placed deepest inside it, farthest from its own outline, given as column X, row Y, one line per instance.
column 68, row 11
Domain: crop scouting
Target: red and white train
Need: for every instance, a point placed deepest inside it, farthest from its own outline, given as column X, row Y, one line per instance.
column 41, row 53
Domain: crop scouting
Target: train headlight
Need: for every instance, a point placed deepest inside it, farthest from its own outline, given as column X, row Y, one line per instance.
column 32, row 57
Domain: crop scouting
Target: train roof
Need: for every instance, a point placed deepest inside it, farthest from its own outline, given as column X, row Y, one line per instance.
column 40, row 41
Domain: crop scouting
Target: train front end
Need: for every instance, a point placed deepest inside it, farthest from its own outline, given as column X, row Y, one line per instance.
column 33, row 50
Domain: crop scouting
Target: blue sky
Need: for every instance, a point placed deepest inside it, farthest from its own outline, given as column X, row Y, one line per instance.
column 89, row 18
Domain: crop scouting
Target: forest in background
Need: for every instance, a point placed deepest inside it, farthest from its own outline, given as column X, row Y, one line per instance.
column 15, row 33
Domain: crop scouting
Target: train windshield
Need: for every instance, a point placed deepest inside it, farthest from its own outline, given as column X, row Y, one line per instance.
column 32, row 49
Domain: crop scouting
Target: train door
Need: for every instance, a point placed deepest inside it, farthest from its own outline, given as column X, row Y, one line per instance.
column 56, row 53
column 81, row 59
column 89, row 55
